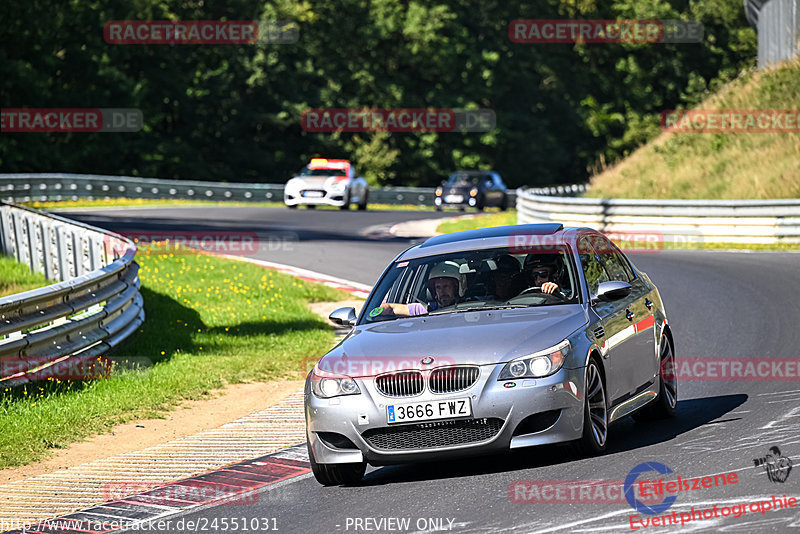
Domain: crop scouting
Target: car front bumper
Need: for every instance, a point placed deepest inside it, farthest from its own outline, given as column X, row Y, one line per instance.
column 502, row 418
column 329, row 198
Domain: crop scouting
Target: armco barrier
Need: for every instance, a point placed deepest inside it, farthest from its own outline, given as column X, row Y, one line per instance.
column 93, row 306
column 57, row 187
column 702, row 221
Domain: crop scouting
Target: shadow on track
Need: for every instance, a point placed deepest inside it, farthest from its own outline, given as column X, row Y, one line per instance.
column 625, row 435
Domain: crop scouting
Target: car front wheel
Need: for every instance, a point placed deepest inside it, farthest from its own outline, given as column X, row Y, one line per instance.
column 336, row 474
column 595, row 413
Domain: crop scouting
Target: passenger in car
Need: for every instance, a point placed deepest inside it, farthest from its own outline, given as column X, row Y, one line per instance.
column 508, row 268
column 445, row 283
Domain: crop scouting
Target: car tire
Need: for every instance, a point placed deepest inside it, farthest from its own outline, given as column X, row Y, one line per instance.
column 292, row 206
column 438, row 208
column 504, row 203
column 362, row 206
column 346, row 205
column 311, row 206
column 595, row 413
column 336, row 474
column 666, row 402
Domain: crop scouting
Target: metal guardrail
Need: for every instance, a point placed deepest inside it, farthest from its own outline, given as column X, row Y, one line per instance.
column 682, row 221
column 93, row 306
column 777, row 23
column 58, row 187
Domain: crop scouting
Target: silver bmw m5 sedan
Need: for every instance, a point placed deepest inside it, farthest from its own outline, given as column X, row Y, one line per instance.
column 488, row 340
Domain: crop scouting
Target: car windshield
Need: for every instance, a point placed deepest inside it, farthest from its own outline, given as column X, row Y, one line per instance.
column 485, row 279
column 461, row 178
column 322, row 172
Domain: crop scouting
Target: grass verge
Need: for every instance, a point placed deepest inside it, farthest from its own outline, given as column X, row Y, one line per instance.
column 210, row 322
column 471, row 222
column 719, row 165
column 16, row 277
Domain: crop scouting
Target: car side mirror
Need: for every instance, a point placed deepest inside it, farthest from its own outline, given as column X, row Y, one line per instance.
column 344, row 316
column 613, row 290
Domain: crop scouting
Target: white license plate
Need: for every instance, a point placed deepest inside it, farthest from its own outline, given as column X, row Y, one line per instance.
column 453, row 199
column 428, row 411
column 313, row 194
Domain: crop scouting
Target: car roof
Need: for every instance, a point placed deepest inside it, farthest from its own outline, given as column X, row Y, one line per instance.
column 325, row 163
column 517, row 235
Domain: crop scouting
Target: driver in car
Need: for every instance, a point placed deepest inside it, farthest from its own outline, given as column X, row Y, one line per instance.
column 540, row 270
column 445, row 283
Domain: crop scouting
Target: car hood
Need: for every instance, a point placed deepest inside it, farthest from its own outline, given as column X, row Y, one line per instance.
column 312, row 181
column 479, row 337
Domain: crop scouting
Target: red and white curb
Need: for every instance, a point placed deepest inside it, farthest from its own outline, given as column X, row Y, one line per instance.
column 354, row 288
column 237, row 484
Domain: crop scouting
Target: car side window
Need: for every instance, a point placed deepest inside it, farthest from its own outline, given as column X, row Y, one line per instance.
column 614, row 264
column 593, row 270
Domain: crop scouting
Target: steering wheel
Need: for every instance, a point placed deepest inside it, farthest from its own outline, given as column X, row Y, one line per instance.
column 534, row 289
column 549, row 298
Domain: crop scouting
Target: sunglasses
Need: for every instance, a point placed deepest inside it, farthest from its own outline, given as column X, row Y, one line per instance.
column 541, row 273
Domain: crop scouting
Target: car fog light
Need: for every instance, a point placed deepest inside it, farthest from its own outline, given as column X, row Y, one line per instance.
column 472, row 202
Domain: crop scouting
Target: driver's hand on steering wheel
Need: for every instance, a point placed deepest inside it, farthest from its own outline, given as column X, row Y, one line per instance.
column 549, row 287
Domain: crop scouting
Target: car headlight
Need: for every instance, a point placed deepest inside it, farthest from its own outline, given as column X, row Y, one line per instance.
column 537, row 365
column 438, row 191
column 326, row 385
column 473, row 192
column 294, row 184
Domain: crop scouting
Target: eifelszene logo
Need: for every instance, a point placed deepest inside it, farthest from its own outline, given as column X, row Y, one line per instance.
column 635, row 503
column 777, row 466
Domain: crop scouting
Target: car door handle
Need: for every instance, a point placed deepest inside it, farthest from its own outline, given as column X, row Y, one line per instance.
column 648, row 303
column 629, row 315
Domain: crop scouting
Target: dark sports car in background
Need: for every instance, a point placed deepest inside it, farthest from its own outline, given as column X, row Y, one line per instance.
column 489, row 340
column 472, row 189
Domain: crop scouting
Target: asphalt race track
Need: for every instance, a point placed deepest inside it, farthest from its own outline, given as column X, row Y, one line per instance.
column 720, row 305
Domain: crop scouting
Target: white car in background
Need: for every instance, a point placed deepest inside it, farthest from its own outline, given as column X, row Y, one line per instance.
column 332, row 182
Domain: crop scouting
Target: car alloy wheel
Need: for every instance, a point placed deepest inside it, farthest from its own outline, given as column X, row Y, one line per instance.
column 595, row 417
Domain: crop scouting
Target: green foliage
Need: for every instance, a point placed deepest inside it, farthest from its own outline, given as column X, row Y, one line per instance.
column 232, row 112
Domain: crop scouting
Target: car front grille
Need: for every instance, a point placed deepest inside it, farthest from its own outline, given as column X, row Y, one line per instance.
column 434, row 434
column 400, row 384
column 452, row 379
